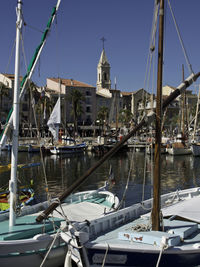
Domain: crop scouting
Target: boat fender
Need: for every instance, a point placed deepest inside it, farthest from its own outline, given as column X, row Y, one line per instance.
column 68, row 259
column 42, row 237
column 83, row 236
column 196, row 245
column 66, row 237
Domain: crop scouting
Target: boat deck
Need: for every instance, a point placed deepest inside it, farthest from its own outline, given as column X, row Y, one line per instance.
column 127, row 239
column 26, row 227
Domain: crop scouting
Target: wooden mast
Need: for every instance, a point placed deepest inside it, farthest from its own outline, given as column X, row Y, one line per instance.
column 156, row 183
column 145, row 121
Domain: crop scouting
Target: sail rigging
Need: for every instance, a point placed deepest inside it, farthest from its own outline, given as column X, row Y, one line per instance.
column 147, row 119
column 28, row 75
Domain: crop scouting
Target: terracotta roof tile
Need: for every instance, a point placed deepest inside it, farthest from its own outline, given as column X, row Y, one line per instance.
column 126, row 93
column 71, row 82
column 11, row 76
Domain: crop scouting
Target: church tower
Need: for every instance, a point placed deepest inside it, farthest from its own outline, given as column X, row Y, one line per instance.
column 103, row 72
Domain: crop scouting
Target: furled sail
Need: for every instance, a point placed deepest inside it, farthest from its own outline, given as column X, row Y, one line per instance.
column 55, row 120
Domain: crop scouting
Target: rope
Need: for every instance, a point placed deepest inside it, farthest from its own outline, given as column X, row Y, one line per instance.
column 57, row 45
column 9, row 60
column 159, row 258
column 176, row 194
column 152, row 41
column 144, row 178
column 164, row 246
column 104, row 259
column 41, row 154
column 180, row 39
column 50, row 248
column 34, row 115
column 127, row 183
column 141, row 227
column 62, row 213
column 34, row 28
column 151, row 56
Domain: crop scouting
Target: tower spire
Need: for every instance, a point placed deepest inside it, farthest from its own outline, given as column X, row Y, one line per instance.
column 103, row 41
column 103, row 70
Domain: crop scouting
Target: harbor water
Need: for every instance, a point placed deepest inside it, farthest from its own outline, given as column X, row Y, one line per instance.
column 130, row 169
column 56, row 173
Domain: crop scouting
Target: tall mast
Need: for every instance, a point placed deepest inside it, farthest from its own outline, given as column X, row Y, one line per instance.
column 157, row 157
column 196, row 116
column 14, row 155
column 116, row 105
column 183, row 108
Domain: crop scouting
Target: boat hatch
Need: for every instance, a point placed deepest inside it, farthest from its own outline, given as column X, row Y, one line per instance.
column 151, row 237
column 175, row 231
column 181, row 228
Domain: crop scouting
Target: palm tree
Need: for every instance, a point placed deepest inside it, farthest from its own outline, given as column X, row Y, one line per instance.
column 102, row 115
column 75, row 98
column 125, row 116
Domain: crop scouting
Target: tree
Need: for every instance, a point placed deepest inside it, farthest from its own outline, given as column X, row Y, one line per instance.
column 75, row 98
column 3, row 93
column 33, row 95
column 102, row 115
column 43, row 107
column 125, row 116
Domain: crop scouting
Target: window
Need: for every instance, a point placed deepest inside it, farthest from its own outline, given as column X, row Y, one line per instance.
column 25, row 97
column 88, row 109
column 88, row 93
column 88, row 102
column 25, row 107
column 88, row 120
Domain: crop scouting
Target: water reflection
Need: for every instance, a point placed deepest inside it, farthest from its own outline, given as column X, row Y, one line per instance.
column 61, row 171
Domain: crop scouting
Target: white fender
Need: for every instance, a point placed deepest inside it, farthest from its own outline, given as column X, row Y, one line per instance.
column 68, row 260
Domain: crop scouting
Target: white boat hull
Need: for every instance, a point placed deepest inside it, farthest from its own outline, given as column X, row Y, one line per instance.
column 179, row 151
column 31, row 251
column 113, row 239
column 68, row 149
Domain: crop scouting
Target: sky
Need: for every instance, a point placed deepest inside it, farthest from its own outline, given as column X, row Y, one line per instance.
column 74, row 45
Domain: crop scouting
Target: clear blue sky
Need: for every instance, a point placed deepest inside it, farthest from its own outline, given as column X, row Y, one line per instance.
column 73, row 47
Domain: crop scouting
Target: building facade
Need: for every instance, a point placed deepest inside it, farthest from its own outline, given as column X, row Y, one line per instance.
column 6, row 99
column 65, row 87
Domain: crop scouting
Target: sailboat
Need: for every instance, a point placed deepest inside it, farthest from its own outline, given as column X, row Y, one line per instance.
column 70, row 146
column 180, row 145
column 162, row 231
column 24, row 241
column 25, row 195
column 195, row 143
